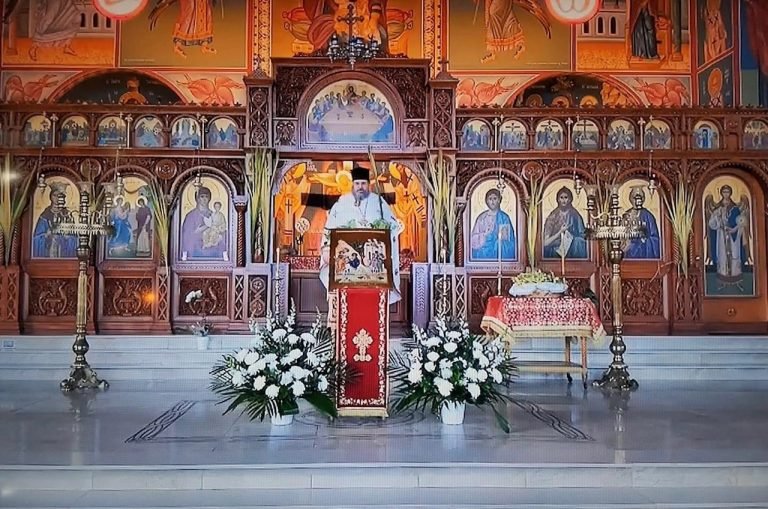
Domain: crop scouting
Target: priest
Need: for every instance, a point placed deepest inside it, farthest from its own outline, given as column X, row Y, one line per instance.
column 361, row 208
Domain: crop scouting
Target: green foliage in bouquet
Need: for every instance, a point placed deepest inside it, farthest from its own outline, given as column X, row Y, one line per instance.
column 449, row 364
column 281, row 367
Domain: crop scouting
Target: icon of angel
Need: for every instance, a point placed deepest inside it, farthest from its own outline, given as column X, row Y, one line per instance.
column 727, row 234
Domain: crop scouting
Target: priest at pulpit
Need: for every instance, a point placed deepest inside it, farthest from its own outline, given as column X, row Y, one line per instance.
column 357, row 209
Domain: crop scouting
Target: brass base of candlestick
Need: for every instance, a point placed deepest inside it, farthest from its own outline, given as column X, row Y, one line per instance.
column 616, row 378
column 83, row 377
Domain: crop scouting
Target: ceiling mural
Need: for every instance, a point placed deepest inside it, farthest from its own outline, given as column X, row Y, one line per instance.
column 666, row 53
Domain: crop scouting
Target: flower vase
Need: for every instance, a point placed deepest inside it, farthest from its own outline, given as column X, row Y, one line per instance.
column 281, row 420
column 203, row 341
column 452, row 413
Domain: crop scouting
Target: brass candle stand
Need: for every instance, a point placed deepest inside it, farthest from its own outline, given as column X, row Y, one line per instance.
column 616, row 229
column 92, row 221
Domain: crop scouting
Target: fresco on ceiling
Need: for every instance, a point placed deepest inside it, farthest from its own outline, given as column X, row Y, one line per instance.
column 226, row 89
column 660, row 91
column 197, row 34
column 714, row 29
column 754, row 52
column 645, row 35
column 66, row 33
column 31, row 86
column 563, row 91
column 121, row 87
column 301, row 27
column 716, row 84
column 506, row 35
column 489, row 91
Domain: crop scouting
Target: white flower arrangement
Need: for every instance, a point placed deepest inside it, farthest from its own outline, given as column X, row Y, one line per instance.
column 279, row 367
column 449, row 364
column 196, row 301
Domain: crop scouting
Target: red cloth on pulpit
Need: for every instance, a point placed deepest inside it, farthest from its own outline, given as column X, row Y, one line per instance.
column 362, row 344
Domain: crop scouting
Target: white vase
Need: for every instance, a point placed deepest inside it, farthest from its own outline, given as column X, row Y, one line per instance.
column 203, row 342
column 281, row 420
column 452, row 413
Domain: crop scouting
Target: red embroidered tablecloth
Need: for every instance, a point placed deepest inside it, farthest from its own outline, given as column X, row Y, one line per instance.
column 517, row 317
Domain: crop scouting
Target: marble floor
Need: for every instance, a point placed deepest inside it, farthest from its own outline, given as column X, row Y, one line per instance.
column 177, row 424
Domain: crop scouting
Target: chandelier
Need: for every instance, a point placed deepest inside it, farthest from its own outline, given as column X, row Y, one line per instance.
column 350, row 47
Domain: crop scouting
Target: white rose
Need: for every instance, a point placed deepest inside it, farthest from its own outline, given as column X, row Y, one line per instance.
column 251, row 358
column 298, row 372
column 450, row 347
column 496, row 375
column 312, row 359
column 279, row 334
column 293, row 339
column 415, row 376
column 474, row 390
column 298, row 388
column 433, row 356
column 286, row 378
column 241, row 355
column 259, row 382
column 322, row 383
column 308, row 338
column 272, row 391
column 238, row 379
column 444, row 387
column 482, row 375
column 446, row 373
column 430, row 366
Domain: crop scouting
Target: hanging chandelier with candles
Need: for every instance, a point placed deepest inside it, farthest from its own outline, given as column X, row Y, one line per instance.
column 351, row 47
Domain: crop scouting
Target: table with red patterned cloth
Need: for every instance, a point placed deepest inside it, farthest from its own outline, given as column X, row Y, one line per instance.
column 542, row 317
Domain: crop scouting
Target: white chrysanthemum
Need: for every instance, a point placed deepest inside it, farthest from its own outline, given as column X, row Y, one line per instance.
column 433, row 356
column 414, row 354
column 272, row 391
column 433, row 341
column 298, row 388
column 298, row 372
column 286, row 378
column 471, row 374
column 259, row 365
column 496, row 375
column 482, row 375
column 450, row 347
column 474, row 390
column 270, row 357
column 454, row 334
column 253, row 369
column 322, row 383
column 251, row 358
column 257, row 342
column 279, row 334
column 312, row 359
column 241, row 355
column 259, row 382
column 415, row 376
column 308, row 338
column 430, row 366
column 445, row 363
column 476, row 345
column 446, row 373
column 484, row 362
column 295, row 354
column 293, row 339
column 444, row 387
column 238, row 379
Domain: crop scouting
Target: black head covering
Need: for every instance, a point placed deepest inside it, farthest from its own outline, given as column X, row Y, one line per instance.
column 360, row 173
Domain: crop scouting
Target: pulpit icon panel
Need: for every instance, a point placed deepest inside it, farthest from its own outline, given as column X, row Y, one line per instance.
column 360, row 258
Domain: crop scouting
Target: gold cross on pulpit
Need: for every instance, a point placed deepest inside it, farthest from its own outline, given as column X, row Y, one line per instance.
column 362, row 341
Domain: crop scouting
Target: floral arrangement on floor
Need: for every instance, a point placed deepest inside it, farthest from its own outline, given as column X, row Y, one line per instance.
column 448, row 365
column 280, row 367
column 195, row 300
column 534, row 282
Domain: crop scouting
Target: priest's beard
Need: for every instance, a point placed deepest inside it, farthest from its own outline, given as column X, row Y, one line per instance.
column 359, row 197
